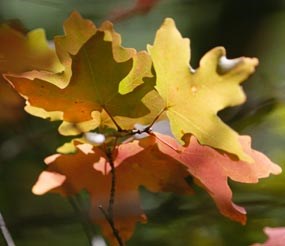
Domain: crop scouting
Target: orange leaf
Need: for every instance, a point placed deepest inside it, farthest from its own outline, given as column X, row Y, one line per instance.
column 153, row 162
column 105, row 78
column 137, row 163
column 20, row 52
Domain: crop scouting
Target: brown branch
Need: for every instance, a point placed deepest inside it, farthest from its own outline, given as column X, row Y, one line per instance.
column 112, row 224
column 113, row 184
column 109, row 215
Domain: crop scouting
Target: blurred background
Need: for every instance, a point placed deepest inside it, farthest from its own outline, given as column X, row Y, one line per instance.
column 253, row 28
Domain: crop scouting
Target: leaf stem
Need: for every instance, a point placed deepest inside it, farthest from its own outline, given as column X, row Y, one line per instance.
column 147, row 129
column 164, row 142
column 5, row 232
column 113, row 120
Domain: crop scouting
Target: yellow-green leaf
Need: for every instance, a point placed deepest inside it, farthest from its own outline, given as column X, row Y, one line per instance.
column 193, row 98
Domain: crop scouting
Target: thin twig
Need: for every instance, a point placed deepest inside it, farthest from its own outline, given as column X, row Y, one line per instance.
column 112, row 224
column 5, row 232
column 122, row 133
column 113, row 184
column 109, row 215
column 148, row 128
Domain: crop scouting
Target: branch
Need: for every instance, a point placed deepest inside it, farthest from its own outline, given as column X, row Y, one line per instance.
column 112, row 224
column 113, row 184
column 5, row 232
column 109, row 215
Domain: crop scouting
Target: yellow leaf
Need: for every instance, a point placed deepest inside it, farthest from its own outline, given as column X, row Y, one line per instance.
column 193, row 98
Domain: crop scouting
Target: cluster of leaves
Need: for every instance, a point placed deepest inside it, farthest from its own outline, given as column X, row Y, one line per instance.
column 91, row 83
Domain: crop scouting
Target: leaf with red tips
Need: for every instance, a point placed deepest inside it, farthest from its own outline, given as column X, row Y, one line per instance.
column 194, row 97
column 212, row 168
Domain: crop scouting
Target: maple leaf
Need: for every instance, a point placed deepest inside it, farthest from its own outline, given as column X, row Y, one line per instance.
column 276, row 237
column 193, row 98
column 212, row 168
column 106, row 79
column 20, row 52
column 138, row 163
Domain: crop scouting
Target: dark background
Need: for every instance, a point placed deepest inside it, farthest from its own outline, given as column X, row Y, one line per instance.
column 253, row 28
